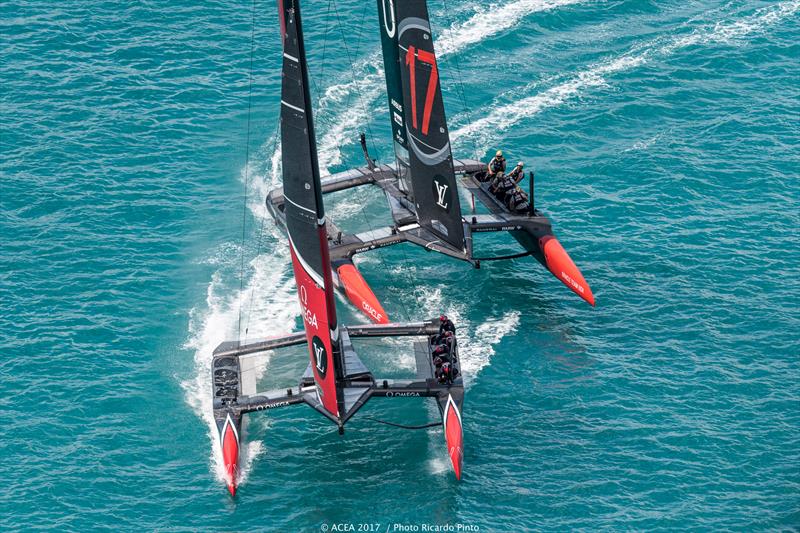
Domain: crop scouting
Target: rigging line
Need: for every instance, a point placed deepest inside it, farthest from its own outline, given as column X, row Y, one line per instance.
column 461, row 82
column 247, row 163
column 324, row 52
column 253, row 288
column 260, row 243
column 275, row 137
column 352, row 66
column 363, row 106
column 401, row 426
column 369, row 129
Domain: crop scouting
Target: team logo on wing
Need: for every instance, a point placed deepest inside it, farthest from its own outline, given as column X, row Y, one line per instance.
column 320, row 356
column 441, row 192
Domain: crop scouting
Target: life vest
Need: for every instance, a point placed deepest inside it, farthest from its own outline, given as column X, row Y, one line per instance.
column 518, row 201
column 497, row 164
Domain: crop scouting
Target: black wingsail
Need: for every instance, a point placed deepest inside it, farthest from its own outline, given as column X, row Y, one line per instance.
column 305, row 214
column 387, row 17
column 428, row 141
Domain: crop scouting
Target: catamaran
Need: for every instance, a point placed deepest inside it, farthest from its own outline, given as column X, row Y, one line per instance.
column 336, row 382
column 422, row 186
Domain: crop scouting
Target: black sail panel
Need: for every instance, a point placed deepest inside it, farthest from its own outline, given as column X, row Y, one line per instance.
column 387, row 18
column 430, row 157
column 305, row 214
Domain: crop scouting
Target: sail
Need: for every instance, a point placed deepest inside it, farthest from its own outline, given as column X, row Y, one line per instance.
column 430, row 159
column 387, row 17
column 305, row 214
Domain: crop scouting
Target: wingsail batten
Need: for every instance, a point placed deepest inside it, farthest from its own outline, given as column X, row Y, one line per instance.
column 428, row 140
column 305, row 214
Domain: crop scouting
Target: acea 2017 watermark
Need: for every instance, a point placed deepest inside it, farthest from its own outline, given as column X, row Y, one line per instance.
column 398, row 527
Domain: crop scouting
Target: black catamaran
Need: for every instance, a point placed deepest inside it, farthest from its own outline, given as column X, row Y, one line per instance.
column 422, row 189
column 336, row 382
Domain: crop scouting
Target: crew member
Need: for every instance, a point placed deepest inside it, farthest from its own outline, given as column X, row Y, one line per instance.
column 505, row 185
column 446, row 373
column 517, row 174
column 445, row 324
column 517, row 201
column 443, row 373
column 497, row 164
column 495, row 182
column 442, row 351
column 443, row 345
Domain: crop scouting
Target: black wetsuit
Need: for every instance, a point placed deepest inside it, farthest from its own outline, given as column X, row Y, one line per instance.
column 447, row 325
column 446, row 373
column 497, row 184
column 441, row 350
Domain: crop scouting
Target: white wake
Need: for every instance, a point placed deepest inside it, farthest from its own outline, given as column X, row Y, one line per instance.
column 366, row 83
column 268, row 299
column 502, row 117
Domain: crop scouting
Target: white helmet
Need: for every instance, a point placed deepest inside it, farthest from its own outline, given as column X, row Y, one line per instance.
column 520, row 164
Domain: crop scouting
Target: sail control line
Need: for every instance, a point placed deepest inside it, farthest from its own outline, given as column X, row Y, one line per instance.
column 422, row 186
column 336, row 383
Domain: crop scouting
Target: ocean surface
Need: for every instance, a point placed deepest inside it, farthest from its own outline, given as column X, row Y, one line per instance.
column 133, row 238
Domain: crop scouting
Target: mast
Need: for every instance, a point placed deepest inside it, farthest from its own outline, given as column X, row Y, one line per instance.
column 417, row 113
column 305, row 215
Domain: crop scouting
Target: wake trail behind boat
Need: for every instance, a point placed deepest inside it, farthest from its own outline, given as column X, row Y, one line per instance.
column 267, row 301
column 339, row 122
column 218, row 323
column 502, row 117
column 491, row 21
column 271, row 284
column 476, row 342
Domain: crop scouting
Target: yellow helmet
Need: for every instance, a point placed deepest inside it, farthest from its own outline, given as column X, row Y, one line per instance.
column 499, row 153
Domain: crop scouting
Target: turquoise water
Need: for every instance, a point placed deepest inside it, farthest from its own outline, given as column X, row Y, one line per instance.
column 665, row 139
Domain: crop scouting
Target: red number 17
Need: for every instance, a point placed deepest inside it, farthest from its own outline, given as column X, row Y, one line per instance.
column 429, row 58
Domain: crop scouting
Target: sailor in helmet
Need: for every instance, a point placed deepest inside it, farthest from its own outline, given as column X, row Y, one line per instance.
column 446, row 329
column 517, row 174
column 497, row 164
column 445, row 324
column 441, row 354
column 446, row 373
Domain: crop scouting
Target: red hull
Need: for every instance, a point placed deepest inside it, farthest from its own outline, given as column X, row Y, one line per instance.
column 454, row 436
column 562, row 267
column 359, row 293
column 230, row 455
